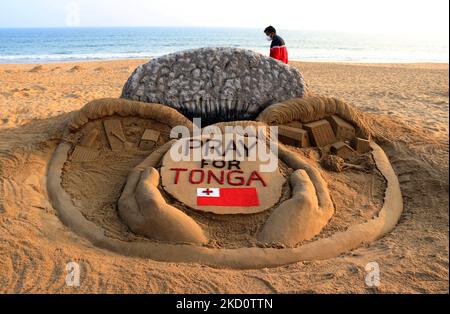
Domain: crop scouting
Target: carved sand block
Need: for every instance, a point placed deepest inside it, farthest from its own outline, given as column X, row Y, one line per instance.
column 361, row 145
column 293, row 136
column 149, row 139
column 341, row 149
column 343, row 130
column 84, row 154
column 89, row 139
column 222, row 185
column 84, row 151
column 114, row 132
column 321, row 133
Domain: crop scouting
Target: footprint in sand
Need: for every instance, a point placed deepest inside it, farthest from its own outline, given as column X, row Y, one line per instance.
column 25, row 92
column 36, row 69
column 38, row 88
column 22, row 92
column 126, row 69
column 72, row 95
column 76, row 69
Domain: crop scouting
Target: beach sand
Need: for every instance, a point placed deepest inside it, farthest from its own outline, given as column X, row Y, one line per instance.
column 409, row 104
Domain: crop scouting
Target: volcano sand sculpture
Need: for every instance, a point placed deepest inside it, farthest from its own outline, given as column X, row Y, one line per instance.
column 169, row 208
column 215, row 84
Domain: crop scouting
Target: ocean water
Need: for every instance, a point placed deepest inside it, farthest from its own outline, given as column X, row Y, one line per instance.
column 75, row 44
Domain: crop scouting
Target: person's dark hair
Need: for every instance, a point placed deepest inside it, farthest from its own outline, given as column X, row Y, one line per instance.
column 270, row 29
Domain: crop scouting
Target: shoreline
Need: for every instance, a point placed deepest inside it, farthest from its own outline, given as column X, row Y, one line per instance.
column 317, row 61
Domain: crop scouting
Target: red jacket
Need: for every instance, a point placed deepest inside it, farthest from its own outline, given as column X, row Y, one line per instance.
column 278, row 49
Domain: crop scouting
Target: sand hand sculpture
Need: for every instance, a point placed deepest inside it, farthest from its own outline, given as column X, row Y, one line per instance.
column 226, row 213
column 147, row 213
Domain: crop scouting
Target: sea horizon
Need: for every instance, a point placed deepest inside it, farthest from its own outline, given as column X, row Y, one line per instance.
column 54, row 45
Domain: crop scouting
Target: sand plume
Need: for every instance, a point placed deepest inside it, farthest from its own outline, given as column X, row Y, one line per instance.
column 311, row 109
column 107, row 107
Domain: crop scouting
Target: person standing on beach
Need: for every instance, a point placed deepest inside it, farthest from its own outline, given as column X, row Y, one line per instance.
column 278, row 49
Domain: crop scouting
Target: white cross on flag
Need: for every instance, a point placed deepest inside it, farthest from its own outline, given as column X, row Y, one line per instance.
column 232, row 197
column 208, row 192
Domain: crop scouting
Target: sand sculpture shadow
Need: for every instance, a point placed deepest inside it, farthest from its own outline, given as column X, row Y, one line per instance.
column 164, row 228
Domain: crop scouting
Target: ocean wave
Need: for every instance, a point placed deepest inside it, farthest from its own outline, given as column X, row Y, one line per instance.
column 73, row 57
column 295, row 54
column 84, row 44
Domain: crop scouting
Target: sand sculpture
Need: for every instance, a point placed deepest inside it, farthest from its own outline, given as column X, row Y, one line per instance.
column 195, row 182
column 176, row 210
column 215, row 84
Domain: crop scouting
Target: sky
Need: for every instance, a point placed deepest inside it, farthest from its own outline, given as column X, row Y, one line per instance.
column 409, row 17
